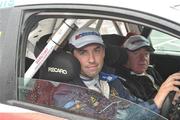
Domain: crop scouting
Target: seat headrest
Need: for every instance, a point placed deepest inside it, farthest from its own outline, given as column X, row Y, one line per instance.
column 115, row 56
column 60, row 67
column 113, row 39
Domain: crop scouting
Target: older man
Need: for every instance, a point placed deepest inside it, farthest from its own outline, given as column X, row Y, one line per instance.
column 141, row 79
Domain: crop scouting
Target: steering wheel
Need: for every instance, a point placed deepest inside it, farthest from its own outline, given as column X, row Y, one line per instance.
column 168, row 107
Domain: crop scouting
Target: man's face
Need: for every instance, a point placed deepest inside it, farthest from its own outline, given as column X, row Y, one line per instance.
column 91, row 58
column 138, row 60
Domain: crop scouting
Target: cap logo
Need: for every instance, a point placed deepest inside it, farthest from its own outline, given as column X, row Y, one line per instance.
column 86, row 34
column 138, row 41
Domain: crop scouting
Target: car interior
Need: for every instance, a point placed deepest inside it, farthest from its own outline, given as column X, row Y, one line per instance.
column 40, row 35
column 37, row 46
column 116, row 55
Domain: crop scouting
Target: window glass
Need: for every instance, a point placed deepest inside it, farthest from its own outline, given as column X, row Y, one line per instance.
column 108, row 27
column 82, row 101
column 7, row 3
column 69, row 97
column 164, row 43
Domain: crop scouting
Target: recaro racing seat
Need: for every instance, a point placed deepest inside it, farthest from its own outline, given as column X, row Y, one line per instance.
column 115, row 57
column 114, row 53
column 113, row 39
column 60, row 66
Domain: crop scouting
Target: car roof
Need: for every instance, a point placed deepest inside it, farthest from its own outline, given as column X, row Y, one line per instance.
column 166, row 9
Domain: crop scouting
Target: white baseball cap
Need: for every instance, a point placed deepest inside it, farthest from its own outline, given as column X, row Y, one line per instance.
column 85, row 36
column 135, row 42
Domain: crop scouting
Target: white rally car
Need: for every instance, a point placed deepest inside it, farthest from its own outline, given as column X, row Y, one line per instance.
column 24, row 25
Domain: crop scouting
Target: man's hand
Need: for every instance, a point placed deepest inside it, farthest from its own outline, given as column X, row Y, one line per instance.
column 171, row 84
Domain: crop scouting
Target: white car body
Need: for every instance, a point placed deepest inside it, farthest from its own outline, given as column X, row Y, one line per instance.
column 166, row 9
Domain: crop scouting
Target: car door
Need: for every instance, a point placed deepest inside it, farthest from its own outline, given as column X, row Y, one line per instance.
column 31, row 23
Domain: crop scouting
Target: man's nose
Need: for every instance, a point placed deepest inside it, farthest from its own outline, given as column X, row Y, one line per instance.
column 91, row 58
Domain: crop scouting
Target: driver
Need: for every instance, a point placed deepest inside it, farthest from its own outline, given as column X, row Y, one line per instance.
column 141, row 79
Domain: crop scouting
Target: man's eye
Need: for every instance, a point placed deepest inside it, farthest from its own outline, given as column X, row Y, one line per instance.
column 98, row 50
column 82, row 52
column 136, row 53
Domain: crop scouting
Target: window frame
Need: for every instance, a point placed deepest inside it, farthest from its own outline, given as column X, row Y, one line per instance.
column 83, row 11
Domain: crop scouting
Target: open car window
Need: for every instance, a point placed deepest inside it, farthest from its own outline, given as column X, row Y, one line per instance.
column 82, row 101
column 164, row 43
column 44, row 40
column 47, row 43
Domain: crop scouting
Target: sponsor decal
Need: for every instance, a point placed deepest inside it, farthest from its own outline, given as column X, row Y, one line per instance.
column 86, row 34
column 57, row 70
column 7, row 3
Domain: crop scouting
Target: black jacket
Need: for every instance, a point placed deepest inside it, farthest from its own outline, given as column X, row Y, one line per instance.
column 140, row 86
